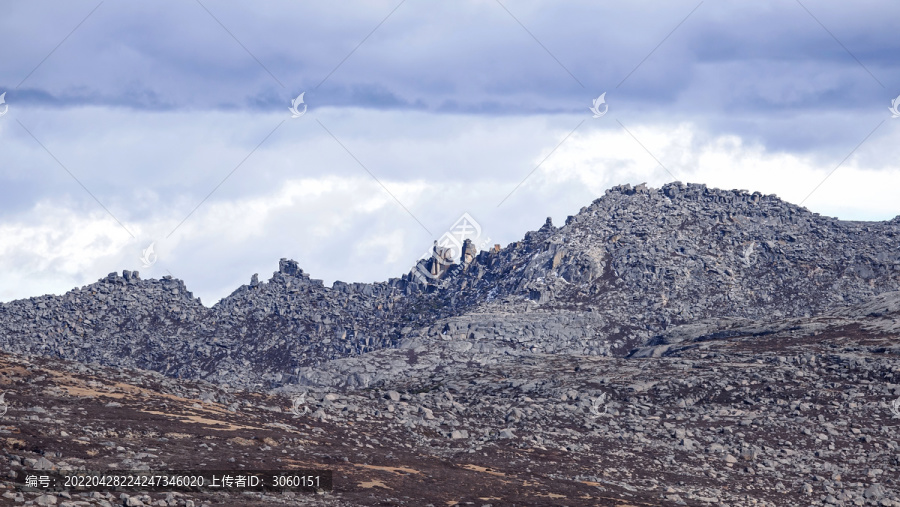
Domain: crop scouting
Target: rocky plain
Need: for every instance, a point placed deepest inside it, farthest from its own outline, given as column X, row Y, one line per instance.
column 674, row 346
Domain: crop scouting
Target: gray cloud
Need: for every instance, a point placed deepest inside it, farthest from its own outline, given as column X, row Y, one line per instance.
column 173, row 54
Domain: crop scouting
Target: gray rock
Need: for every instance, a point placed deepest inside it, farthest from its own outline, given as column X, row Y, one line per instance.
column 43, row 463
column 506, row 433
column 45, row 500
column 874, row 492
column 459, row 434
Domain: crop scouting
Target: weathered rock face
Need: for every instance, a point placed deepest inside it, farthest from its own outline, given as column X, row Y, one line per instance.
column 632, row 265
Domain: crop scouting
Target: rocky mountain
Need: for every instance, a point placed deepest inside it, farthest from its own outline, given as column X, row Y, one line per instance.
column 624, row 270
column 672, row 346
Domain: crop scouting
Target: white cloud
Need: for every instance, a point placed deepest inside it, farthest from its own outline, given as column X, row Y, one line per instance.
column 602, row 158
column 50, row 249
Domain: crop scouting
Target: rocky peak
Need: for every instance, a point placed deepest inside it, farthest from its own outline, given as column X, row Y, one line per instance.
column 699, row 251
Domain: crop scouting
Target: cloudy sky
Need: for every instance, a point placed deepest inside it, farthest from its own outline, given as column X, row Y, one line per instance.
column 127, row 124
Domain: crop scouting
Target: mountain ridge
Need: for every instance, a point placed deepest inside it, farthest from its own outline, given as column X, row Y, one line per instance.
column 625, row 268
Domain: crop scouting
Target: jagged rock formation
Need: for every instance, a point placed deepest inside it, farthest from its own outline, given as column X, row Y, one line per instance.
column 632, row 265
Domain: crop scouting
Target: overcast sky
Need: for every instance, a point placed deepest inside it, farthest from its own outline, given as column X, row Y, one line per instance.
column 127, row 124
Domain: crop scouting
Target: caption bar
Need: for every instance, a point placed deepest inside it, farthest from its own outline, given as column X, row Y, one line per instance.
column 146, row 480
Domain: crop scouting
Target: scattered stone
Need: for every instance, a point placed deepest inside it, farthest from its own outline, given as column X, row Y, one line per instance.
column 506, row 433
column 45, row 500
